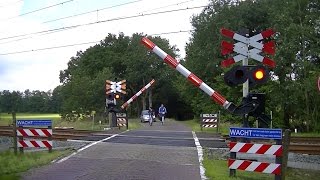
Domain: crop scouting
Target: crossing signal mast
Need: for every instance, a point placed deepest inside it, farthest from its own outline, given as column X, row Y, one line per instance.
column 113, row 93
column 249, row 75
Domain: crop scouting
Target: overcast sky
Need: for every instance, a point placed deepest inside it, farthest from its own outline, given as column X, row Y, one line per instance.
column 39, row 70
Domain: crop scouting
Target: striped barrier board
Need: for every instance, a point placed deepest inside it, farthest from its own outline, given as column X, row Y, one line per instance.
column 34, row 143
column 26, row 128
column 269, row 149
column 254, row 148
column 209, row 121
column 122, row 120
column 263, row 167
column 34, row 132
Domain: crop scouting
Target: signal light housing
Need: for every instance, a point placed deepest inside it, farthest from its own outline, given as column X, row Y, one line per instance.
column 240, row 74
column 237, row 75
column 258, row 75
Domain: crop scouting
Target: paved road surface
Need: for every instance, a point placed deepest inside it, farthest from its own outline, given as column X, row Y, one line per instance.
column 150, row 153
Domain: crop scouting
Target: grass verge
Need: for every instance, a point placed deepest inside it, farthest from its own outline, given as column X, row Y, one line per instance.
column 11, row 165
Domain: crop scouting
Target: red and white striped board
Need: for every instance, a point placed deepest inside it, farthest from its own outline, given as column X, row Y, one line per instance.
column 122, row 121
column 34, row 132
column 35, row 143
column 209, row 125
column 138, row 94
column 186, row 73
column 251, row 148
column 263, row 167
column 209, row 120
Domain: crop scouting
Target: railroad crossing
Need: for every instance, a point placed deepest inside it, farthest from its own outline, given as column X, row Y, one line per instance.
column 157, row 152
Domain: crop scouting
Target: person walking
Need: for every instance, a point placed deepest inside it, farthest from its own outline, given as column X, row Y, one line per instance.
column 151, row 114
column 162, row 113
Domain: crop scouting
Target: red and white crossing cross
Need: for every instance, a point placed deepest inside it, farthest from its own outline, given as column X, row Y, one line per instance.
column 113, row 87
column 138, row 94
column 186, row 73
column 248, row 47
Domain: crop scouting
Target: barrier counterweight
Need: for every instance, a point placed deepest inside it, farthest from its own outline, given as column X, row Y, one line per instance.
column 186, row 73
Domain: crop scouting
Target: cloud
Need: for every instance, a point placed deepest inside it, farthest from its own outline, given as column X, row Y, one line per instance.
column 39, row 70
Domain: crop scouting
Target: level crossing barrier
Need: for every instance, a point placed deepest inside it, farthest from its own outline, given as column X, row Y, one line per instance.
column 209, row 121
column 122, row 120
column 31, row 134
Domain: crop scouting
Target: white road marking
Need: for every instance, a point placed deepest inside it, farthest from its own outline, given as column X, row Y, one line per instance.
column 200, row 156
column 85, row 147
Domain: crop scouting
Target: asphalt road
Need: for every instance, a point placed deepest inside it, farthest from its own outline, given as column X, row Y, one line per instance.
column 151, row 153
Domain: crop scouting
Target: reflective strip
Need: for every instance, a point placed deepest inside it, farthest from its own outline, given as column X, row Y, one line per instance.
column 195, row 80
column 34, row 132
column 184, row 71
column 33, row 143
column 171, row 61
column 148, row 43
column 159, row 52
column 207, row 89
column 270, row 168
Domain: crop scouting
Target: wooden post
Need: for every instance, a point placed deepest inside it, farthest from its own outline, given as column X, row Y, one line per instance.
column 233, row 155
column 50, row 139
column 218, row 122
column 278, row 160
column 201, row 122
column 15, row 142
column 21, row 139
column 127, row 120
column 285, row 146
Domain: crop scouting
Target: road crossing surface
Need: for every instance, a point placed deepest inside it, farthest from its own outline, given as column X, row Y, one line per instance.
column 150, row 153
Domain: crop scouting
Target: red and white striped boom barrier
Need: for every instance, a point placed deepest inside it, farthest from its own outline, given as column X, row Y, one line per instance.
column 194, row 79
column 137, row 94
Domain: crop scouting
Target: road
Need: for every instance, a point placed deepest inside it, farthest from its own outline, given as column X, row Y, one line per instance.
column 151, row 153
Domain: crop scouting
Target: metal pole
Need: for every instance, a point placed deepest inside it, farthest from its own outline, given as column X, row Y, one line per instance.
column 15, row 146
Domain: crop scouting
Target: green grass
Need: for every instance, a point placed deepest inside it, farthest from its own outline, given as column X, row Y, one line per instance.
column 217, row 169
column 11, row 165
column 195, row 125
column 6, row 119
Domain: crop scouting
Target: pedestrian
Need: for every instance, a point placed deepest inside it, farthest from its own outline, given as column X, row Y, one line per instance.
column 151, row 113
column 162, row 113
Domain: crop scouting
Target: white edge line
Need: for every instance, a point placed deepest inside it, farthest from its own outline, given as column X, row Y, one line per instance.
column 85, row 147
column 200, row 156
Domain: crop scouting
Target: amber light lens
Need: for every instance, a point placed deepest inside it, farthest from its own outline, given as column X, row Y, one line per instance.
column 259, row 74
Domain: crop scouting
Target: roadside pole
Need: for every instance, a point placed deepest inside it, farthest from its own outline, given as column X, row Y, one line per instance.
column 14, row 123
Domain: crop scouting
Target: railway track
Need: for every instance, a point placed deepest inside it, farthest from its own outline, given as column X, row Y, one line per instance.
column 303, row 145
column 57, row 134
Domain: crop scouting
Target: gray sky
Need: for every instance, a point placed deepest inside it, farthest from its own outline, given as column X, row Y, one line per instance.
column 39, row 70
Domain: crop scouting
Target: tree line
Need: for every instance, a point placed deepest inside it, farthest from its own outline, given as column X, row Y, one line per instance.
column 291, row 94
column 28, row 102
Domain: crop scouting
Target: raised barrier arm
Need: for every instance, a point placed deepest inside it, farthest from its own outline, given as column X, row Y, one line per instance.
column 197, row 81
column 137, row 94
